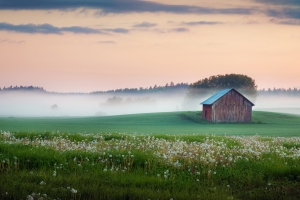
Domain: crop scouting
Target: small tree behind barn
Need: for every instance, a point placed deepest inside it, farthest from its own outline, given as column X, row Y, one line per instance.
column 227, row 106
column 243, row 83
column 206, row 87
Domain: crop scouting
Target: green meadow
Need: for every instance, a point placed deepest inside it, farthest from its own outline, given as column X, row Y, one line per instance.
column 264, row 124
column 150, row 156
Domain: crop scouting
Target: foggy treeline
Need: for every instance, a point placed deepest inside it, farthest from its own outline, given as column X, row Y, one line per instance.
column 280, row 91
column 23, row 88
column 169, row 87
column 278, row 100
column 35, row 101
column 155, row 89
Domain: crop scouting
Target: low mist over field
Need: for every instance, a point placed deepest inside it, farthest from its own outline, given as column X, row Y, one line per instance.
column 30, row 104
column 278, row 103
column 44, row 104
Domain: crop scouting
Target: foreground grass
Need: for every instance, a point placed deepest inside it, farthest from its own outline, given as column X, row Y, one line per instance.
column 129, row 166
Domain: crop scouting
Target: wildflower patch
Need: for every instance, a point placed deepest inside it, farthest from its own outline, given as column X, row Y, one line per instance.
column 117, row 165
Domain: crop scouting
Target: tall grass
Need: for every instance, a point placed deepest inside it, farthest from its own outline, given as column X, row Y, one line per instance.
column 122, row 166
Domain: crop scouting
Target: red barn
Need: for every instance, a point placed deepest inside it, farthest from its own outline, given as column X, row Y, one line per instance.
column 227, row 106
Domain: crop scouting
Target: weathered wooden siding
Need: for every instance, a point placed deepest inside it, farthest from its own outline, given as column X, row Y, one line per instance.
column 232, row 107
column 206, row 112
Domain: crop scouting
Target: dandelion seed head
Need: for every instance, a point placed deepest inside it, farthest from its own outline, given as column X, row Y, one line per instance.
column 73, row 191
column 42, row 183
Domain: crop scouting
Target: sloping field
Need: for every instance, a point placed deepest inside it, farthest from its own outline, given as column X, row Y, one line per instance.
column 282, row 110
column 264, row 124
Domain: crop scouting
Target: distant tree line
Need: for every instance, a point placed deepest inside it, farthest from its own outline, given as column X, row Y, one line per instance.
column 23, row 88
column 280, row 91
column 165, row 89
column 243, row 83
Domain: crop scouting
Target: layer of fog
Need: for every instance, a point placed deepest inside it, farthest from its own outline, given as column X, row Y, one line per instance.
column 31, row 104
column 278, row 103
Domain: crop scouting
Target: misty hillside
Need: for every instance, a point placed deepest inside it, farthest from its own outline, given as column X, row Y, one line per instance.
column 184, row 122
column 36, row 101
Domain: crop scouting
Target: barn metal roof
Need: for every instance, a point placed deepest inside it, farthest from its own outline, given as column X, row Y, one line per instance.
column 218, row 95
column 215, row 97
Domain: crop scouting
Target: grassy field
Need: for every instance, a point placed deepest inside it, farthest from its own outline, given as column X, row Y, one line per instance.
column 130, row 166
column 150, row 156
column 264, row 124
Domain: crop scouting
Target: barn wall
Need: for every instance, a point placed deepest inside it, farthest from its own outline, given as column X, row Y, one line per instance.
column 207, row 112
column 232, row 107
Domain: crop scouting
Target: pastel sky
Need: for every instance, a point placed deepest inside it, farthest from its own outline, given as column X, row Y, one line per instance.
column 92, row 45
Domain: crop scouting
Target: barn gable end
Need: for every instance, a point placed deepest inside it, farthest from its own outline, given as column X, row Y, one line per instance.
column 227, row 106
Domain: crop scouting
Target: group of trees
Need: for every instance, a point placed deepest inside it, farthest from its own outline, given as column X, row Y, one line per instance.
column 243, row 83
column 280, row 91
column 167, row 88
column 208, row 86
column 23, row 88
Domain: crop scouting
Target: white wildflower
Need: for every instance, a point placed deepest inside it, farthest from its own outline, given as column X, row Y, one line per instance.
column 42, row 183
column 73, row 191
